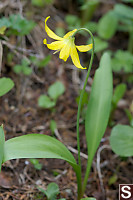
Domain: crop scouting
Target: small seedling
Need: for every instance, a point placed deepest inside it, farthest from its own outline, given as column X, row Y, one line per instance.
column 40, row 63
column 54, row 92
column 51, row 192
column 23, row 68
column 36, row 163
column 17, row 25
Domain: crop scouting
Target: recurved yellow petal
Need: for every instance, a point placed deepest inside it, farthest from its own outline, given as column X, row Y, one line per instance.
column 54, row 45
column 65, row 52
column 70, row 33
column 84, row 48
column 50, row 32
column 75, row 57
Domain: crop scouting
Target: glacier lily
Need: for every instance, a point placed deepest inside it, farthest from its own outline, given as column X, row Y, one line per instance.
column 66, row 45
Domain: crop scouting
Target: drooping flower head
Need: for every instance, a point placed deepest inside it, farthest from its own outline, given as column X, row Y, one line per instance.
column 66, row 45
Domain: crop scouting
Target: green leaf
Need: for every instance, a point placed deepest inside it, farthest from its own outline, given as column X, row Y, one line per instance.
column 37, row 146
column 5, row 22
column 25, row 62
column 52, row 191
column 118, row 93
column 88, row 198
column 123, row 60
column 130, row 116
column 44, row 62
column 71, row 20
column 124, row 11
column 26, row 70
column 84, row 99
column 6, row 84
column 92, row 26
column 99, row 105
column 128, row 1
column 17, row 69
column 60, row 31
column 121, row 140
column 107, row 25
column 39, row 3
column 113, row 179
column 21, row 25
column 17, row 24
column 45, row 102
column 36, row 163
column 100, row 45
column 2, row 142
column 53, row 126
column 56, row 90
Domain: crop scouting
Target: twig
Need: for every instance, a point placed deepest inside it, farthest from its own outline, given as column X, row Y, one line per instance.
column 99, row 167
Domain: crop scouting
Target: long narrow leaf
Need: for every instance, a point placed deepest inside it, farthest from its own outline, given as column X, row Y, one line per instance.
column 98, row 106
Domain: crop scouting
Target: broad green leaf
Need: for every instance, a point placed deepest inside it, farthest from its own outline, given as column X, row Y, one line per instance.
column 39, row 3
column 99, row 105
column 124, row 11
column 71, row 20
column 2, row 141
column 118, row 93
column 60, row 31
column 6, row 84
column 128, row 1
column 5, row 22
column 92, row 26
column 107, row 25
column 37, row 146
column 56, row 90
column 45, row 102
column 100, row 45
column 121, row 140
column 122, row 61
column 89, row 3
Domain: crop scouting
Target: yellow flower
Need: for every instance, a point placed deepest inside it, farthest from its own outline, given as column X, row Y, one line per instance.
column 66, row 45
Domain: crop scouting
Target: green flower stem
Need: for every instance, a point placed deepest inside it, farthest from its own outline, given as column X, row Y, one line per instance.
column 79, row 107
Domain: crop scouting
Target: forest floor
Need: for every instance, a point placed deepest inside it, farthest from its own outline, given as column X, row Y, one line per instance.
column 20, row 114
